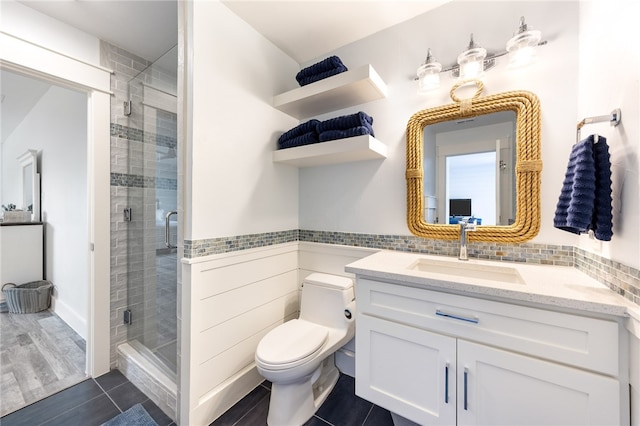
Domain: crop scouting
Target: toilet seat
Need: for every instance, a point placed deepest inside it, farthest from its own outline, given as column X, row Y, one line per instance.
column 290, row 345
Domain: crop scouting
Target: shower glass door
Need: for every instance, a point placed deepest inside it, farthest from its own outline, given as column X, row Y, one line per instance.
column 152, row 200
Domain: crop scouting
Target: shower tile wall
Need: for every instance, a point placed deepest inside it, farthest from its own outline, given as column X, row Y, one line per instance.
column 133, row 169
column 125, row 66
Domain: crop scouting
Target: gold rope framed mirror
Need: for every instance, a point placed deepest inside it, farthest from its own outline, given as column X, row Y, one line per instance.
column 528, row 164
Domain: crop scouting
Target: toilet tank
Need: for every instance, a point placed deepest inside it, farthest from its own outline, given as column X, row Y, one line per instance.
column 324, row 298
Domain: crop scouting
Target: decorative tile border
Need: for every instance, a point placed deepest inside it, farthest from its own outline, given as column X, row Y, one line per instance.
column 200, row 248
column 544, row 254
column 137, row 181
column 620, row 278
column 133, row 134
column 126, row 132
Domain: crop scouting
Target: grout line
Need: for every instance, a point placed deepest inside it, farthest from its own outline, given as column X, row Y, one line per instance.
column 322, row 420
column 107, row 395
column 115, row 387
column 367, row 416
column 239, row 422
column 73, row 408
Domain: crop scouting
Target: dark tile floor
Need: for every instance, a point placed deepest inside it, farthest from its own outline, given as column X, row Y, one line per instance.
column 95, row 401
column 91, row 402
column 342, row 408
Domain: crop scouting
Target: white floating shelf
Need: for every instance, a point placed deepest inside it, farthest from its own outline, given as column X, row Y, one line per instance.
column 359, row 148
column 353, row 87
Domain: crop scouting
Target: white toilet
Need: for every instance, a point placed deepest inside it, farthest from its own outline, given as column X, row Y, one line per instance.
column 297, row 356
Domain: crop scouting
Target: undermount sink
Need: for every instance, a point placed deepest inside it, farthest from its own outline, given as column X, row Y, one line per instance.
column 504, row 274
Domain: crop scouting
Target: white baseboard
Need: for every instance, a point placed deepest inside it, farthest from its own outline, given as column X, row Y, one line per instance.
column 217, row 401
column 70, row 316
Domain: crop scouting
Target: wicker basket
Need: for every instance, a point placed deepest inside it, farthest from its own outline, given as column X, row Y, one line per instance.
column 28, row 298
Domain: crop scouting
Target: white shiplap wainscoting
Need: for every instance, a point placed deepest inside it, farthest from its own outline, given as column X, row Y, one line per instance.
column 234, row 300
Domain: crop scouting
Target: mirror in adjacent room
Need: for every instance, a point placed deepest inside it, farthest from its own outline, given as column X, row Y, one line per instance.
column 478, row 158
column 469, row 170
column 30, row 179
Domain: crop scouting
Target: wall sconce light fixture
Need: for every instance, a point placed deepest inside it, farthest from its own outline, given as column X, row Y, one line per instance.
column 520, row 46
column 471, row 61
column 474, row 60
column 429, row 74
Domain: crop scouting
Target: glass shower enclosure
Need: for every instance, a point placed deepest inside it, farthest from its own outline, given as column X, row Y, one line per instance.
column 152, row 204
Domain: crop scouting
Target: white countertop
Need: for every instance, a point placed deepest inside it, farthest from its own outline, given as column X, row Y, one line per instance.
column 549, row 286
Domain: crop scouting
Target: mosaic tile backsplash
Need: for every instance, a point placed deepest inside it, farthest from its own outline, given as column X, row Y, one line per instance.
column 621, row 278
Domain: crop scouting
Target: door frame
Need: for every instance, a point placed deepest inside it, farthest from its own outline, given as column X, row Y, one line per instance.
column 32, row 60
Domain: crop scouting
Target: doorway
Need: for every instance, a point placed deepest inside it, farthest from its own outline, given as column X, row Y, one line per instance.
column 44, row 352
column 25, row 58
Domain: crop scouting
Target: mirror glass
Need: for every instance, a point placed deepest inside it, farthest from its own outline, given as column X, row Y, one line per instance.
column 30, row 183
column 476, row 157
column 27, row 187
column 469, row 170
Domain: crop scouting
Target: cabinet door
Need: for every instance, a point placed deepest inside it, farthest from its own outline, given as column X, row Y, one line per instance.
column 504, row 388
column 406, row 370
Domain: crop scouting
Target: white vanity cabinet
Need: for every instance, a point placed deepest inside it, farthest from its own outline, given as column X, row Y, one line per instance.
column 443, row 359
column 21, row 252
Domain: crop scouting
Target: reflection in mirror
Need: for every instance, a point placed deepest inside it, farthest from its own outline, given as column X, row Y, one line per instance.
column 27, row 192
column 440, row 183
column 469, row 170
column 30, row 183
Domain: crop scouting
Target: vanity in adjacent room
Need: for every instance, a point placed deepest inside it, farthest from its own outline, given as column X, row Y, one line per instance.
column 21, row 250
column 21, row 231
column 441, row 341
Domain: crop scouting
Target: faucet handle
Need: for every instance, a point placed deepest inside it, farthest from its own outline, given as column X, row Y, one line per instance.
column 468, row 223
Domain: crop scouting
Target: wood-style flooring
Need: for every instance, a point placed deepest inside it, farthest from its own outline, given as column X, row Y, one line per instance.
column 39, row 356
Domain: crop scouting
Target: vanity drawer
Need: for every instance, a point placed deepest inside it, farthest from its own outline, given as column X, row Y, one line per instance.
column 583, row 342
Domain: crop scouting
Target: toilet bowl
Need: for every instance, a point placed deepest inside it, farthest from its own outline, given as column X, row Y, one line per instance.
column 297, row 357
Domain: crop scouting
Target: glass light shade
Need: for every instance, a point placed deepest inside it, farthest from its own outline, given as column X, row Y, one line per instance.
column 472, row 62
column 428, row 76
column 521, row 47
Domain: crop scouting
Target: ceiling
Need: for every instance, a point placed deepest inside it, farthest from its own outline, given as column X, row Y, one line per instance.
column 304, row 29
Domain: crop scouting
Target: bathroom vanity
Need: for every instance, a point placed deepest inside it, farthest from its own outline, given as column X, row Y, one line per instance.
column 21, row 252
column 442, row 341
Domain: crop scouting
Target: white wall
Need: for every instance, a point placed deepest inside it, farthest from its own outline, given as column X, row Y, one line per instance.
column 585, row 39
column 370, row 197
column 608, row 78
column 234, row 187
column 27, row 24
column 57, row 127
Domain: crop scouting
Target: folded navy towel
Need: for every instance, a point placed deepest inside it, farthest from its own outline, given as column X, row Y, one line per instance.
column 585, row 198
column 316, row 77
column 328, row 64
column 300, row 129
column 330, row 135
column 305, row 139
column 602, row 221
column 360, row 119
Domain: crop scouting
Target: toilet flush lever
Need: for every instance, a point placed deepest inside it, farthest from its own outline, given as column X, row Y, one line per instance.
column 350, row 310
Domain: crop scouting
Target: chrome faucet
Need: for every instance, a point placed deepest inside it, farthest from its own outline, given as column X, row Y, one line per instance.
column 466, row 225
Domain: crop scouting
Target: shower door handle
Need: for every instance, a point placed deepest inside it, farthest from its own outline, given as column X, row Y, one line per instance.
column 167, row 233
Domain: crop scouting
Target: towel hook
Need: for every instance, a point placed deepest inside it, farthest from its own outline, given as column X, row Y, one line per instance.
column 614, row 119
